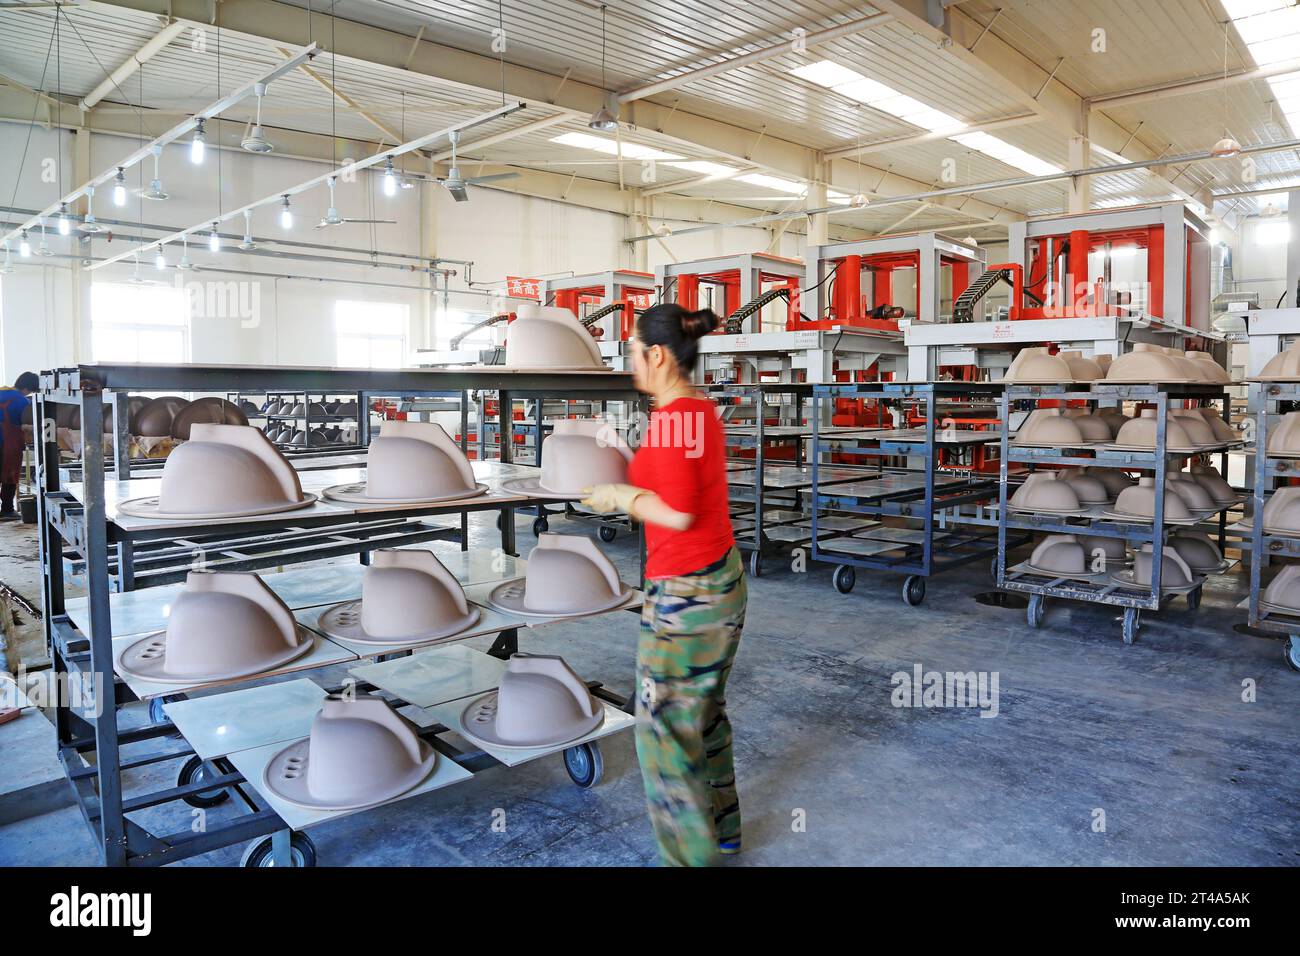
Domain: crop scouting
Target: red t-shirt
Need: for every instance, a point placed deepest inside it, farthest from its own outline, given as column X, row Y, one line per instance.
column 682, row 459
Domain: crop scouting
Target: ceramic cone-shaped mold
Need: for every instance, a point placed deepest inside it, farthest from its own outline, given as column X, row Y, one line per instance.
column 1048, row 427
column 1082, row 368
column 1197, row 428
column 1114, row 480
column 360, row 753
column 1037, row 366
column 411, row 463
column 1211, row 370
column 1089, row 490
column 541, row 703
column 1284, row 439
column 223, row 626
column 1044, row 493
column 567, row 575
column 1139, row 434
column 1060, row 554
column 1198, row 552
column 1282, row 511
column 1196, row 498
column 550, row 337
column 579, row 454
column 1138, row 503
column 154, row 419
column 213, row 411
column 1283, row 367
column 1209, row 478
column 223, row 471
column 1283, row 592
column 1146, row 364
column 407, row 596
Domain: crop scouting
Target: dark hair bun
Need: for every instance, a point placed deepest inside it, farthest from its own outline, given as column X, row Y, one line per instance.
column 699, row 323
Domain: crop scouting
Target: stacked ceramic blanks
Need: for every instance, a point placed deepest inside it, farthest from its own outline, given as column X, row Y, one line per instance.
column 1155, row 364
column 1281, row 512
column 1176, row 577
column 361, row 753
column 223, row 471
column 1282, row 596
column 1037, row 366
column 1198, row 551
column 1208, row 477
column 550, row 337
column 1064, row 556
column 215, row 411
column 411, row 463
column 407, row 597
column 1181, row 433
column 1284, row 438
column 1044, row 493
column 154, row 419
column 1049, row 428
column 567, row 576
column 579, row 453
column 540, row 702
column 1283, row 367
column 1136, row 504
column 1088, row 487
column 223, row 626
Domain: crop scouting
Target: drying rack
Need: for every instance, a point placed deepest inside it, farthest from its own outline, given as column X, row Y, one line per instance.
column 90, row 742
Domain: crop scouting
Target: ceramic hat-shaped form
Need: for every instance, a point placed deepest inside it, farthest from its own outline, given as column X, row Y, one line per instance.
column 1209, row 478
column 1103, row 361
column 1139, row 434
column 412, row 462
column 154, row 419
column 541, row 703
column 1113, row 417
column 1283, row 367
column 1284, row 439
column 1223, row 432
column 221, row 627
column 1037, row 366
column 223, row 471
column 1048, row 427
column 1283, row 592
column 1210, row 370
column 407, row 596
column 1112, row 479
column 544, row 336
column 1282, row 511
column 1175, row 575
column 1138, row 503
column 1089, row 490
column 1197, row 428
column 1045, row 493
column 215, row 411
column 567, row 575
column 579, row 454
column 1059, row 554
column 1194, row 496
column 1197, row 550
column 1082, row 368
column 360, row 753
column 1146, row 364
column 1109, row 550
column 1093, row 428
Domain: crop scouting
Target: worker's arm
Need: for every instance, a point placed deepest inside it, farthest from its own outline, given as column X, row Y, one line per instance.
column 637, row 503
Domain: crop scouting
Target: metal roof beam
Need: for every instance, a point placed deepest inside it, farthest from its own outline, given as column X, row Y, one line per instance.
column 132, row 64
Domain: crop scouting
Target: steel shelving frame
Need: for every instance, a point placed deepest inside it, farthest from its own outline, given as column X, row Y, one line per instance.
column 1131, row 598
column 307, row 418
column 1264, row 545
column 83, row 527
column 967, row 542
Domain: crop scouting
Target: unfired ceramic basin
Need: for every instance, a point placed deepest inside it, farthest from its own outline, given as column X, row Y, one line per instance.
column 1211, row 370
column 1147, row 364
column 1112, row 479
column 212, row 410
column 550, row 337
column 567, row 576
column 1198, row 429
column 1043, row 493
column 1209, row 478
column 1194, row 496
column 1198, row 552
column 579, row 454
column 360, row 753
column 1113, row 551
column 154, row 419
column 541, row 703
column 1059, row 554
column 223, row 471
column 1175, row 575
column 1283, row 367
column 1089, row 490
column 1082, row 368
column 223, row 626
column 1047, row 427
column 1223, row 432
column 1037, row 366
column 1138, row 503
column 1284, row 439
column 1283, row 592
column 1139, row 434
column 412, row 463
column 1282, row 511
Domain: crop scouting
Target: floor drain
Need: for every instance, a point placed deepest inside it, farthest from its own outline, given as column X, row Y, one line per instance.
column 1002, row 599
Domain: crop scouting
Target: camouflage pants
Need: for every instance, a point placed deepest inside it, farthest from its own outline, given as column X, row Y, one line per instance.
column 690, row 629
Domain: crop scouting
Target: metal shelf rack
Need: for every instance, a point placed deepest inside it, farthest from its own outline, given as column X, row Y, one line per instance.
column 920, row 491
column 1133, row 599
column 307, row 419
column 90, row 745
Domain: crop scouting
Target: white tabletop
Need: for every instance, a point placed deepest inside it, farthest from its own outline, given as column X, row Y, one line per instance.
column 436, row 676
column 222, row 724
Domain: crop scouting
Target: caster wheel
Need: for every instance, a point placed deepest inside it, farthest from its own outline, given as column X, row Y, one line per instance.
column 197, row 770
column 1291, row 652
column 1193, row 599
column 914, row 590
column 158, row 716
column 755, row 564
column 1132, row 622
column 844, row 578
column 584, row 764
column 302, row 852
column 607, row 534
column 501, row 521
column 540, row 526
column 1036, row 610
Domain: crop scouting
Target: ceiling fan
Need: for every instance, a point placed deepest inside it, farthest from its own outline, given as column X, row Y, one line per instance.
column 332, row 217
column 456, row 184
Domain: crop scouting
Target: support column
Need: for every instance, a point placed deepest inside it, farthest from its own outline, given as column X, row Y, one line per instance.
column 818, row 225
column 1079, row 157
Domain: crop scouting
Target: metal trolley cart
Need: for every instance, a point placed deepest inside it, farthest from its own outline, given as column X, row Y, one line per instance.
column 1102, row 588
column 96, row 750
column 919, row 491
column 1266, row 545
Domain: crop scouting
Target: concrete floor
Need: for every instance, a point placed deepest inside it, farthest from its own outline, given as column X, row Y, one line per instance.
column 1156, row 736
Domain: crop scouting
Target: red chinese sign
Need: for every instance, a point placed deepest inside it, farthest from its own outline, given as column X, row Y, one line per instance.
column 523, row 288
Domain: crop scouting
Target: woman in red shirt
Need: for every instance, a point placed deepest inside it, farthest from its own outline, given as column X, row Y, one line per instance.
column 695, row 595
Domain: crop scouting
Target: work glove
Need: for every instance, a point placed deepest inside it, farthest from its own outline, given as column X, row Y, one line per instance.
column 608, row 499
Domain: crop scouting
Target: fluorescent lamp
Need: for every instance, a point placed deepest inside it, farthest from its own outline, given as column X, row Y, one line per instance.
column 611, row 147
column 703, row 167
column 1004, row 152
column 773, row 182
column 877, row 95
column 826, row 73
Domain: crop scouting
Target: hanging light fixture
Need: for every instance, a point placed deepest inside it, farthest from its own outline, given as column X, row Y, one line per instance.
column 286, row 214
column 89, row 224
column 25, row 246
column 160, row 259
column 604, row 119
column 198, row 144
column 65, row 222
column 331, row 213
column 858, row 200
column 255, row 141
column 119, row 188
column 248, row 243
column 44, row 248
column 155, row 190
column 390, row 178
column 970, row 241
column 185, row 265
column 1228, row 146
column 214, row 240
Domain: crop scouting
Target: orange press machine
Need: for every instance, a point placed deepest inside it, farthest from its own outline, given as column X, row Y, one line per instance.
column 608, row 301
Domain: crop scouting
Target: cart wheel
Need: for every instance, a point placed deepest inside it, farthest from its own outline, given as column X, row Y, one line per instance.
column 756, row 564
column 1036, row 610
column 607, row 533
column 540, row 526
column 302, row 852
column 158, row 716
column 1291, row 652
column 1132, row 622
column 1193, row 599
column 844, row 578
column 584, row 764
column 197, row 770
column 914, row 590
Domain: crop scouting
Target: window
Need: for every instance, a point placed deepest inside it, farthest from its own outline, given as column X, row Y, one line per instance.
column 371, row 334
column 139, row 323
column 449, row 323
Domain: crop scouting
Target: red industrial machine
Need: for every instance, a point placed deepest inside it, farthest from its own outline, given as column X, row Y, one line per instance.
column 736, row 287
column 617, row 295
